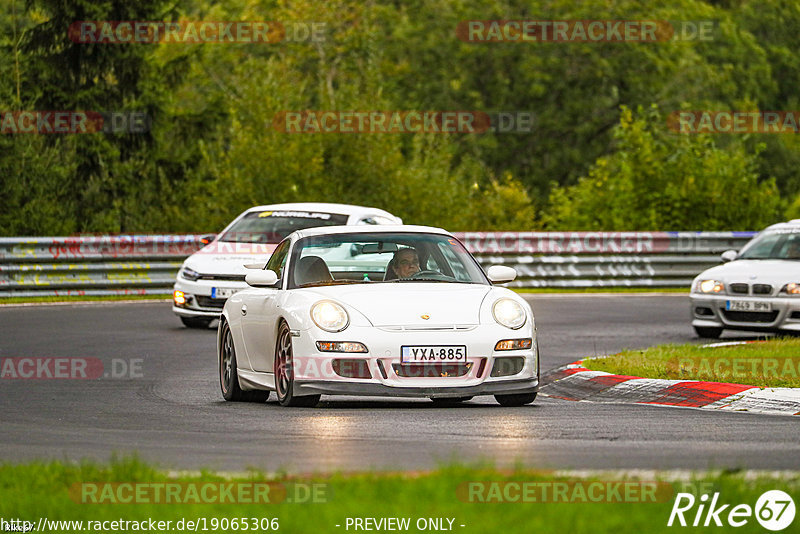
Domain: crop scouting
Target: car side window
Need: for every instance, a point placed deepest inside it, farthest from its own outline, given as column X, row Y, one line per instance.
column 278, row 259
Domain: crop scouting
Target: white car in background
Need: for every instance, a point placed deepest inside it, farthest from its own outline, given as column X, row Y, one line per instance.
column 399, row 311
column 758, row 289
column 209, row 276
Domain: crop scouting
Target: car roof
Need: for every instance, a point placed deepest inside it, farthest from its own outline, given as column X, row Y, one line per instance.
column 793, row 224
column 325, row 207
column 371, row 229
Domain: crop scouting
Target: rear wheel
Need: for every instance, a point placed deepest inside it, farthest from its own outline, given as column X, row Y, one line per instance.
column 229, row 377
column 711, row 332
column 449, row 401
column 196, row 322
column 518, row 399
column 284, row 373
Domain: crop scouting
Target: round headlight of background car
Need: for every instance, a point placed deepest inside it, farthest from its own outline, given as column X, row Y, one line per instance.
column 509, row 313
column 329, row 316
column 709, row 286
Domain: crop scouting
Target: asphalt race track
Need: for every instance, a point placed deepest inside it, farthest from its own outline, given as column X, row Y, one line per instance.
column 172, row 413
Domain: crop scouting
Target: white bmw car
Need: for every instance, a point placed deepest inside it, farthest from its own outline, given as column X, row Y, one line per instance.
column 399, row 311
column 211, row 275
column 758, row 289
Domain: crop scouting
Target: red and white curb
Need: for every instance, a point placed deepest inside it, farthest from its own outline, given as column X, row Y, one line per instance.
column 575, row 382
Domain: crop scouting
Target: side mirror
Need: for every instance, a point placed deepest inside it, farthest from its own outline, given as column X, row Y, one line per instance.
column 207, row 238
column 261, row 278
column 729, row 255
column 500, row 273
column 259, row 266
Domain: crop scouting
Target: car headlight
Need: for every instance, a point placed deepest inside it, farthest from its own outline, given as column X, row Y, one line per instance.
column 709, row 286
column 791, row 289
column 189, row 274
column 329, row 316
column 509, row 313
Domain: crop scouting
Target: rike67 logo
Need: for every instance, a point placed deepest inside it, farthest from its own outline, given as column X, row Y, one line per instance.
column 774, row 510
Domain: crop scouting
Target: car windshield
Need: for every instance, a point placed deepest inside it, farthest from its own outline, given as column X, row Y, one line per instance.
column 365, row 258
column 273, row 226
column 774, row 245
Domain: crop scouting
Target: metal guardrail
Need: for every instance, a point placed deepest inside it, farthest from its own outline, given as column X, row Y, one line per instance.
column 148, row 264
column 603, row 259
column 92, row 265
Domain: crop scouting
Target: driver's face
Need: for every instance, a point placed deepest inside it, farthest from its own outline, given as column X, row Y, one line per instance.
column 407, row 264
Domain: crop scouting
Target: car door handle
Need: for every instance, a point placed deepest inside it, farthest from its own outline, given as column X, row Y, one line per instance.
column 244, row 309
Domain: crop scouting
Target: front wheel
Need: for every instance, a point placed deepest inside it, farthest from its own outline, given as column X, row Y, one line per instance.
column 710, row 332
column 229, row 376
column 284, row 373
column 518, row 399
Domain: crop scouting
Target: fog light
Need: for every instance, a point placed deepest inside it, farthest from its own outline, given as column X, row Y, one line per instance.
column 179, row 298
column 513, row 344
column 340, row 346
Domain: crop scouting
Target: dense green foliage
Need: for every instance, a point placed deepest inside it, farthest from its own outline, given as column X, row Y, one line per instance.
column 599, row 156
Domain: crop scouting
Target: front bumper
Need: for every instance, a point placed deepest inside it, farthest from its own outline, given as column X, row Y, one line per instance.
column 199, row 300
column 486, row 371
column 710, row 311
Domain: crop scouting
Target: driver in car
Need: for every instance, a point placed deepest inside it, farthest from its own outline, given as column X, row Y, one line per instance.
column 406, row 262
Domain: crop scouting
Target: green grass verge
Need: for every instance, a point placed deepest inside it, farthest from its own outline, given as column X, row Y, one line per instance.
column 42, row 490
column 79, row 298
column 601, row 289
column 772, row 363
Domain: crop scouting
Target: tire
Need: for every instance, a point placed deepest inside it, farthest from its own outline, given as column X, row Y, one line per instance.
column 284, row 374
column 710, row 332
column 517, row 399
column 229, row 377
column 196, row 322
column 449, row 401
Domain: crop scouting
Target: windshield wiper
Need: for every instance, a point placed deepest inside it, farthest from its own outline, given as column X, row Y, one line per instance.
column 333, row 283
column 428, row 280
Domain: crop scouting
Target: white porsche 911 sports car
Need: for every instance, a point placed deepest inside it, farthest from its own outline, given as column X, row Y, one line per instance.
column 758, row 289
column 399, row 311
column 209, row 276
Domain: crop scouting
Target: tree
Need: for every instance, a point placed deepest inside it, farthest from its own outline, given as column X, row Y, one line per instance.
column 658, row 180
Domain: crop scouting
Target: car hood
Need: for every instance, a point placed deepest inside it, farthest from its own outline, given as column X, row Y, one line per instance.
column 756, row 271
column 228, row 258
column 443, row 303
